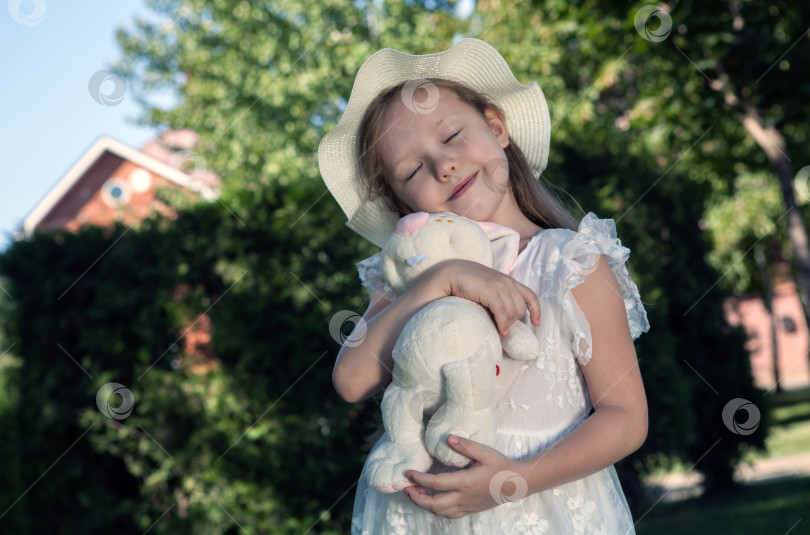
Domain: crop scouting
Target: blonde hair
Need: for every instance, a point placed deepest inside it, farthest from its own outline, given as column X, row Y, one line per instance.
column 534, row 199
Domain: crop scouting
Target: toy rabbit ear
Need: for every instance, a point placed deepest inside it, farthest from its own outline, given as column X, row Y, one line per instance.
column 505, row 243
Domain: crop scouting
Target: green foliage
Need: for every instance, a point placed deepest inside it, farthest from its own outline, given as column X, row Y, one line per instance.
column 260, row 443
column 246, row 443
column 737, row 223
column 627, row 143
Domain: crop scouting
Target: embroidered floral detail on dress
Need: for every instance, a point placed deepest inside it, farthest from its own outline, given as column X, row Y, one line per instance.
column 582, row 510
column 538, row 525
column 546, row 270
column 547, row 347
column 371, row 276
column 357, row 524
column 395, row 518
column 520, row 449
column 512, row 404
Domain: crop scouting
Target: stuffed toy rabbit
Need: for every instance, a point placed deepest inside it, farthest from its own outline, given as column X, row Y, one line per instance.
column 447, row 355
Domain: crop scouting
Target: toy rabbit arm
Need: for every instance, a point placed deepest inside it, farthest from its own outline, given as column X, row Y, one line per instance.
column 364, row 362
column 364, row 366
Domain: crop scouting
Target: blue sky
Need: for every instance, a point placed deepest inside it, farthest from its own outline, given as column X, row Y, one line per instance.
column 49, row 52
column 48, row 118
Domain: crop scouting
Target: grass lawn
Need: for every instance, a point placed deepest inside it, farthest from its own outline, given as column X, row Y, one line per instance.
column 790, row 426
column 789, row 434
column 773, row 508
column 776, row 508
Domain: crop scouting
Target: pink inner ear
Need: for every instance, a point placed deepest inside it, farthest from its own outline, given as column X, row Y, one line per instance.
column 411, row 223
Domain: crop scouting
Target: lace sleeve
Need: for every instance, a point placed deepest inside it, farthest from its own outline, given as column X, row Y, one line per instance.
column 371, row 277
column 579, row 256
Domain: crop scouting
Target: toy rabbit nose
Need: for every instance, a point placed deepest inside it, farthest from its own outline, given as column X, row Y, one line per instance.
column 411, row 223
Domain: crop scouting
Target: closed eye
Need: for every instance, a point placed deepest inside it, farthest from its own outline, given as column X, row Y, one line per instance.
column 414, row 172
column 452, row 136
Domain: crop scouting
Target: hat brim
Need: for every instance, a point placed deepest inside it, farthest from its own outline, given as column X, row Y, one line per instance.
column 471, row 62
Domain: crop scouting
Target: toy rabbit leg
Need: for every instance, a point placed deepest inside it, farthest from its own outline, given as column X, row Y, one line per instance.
column 521, row 343
column 468, row 411
column 401, row 448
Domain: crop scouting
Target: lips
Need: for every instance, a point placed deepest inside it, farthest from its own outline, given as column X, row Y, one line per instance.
column 463, row 186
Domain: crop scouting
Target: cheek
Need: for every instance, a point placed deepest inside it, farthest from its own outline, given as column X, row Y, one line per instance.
column 419, row 201
column 407, row 195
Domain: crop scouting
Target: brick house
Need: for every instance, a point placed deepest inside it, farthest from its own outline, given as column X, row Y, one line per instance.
column 792, row 339
column 113, row 182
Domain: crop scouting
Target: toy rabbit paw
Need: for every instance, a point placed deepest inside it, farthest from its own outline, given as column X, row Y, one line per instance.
column 388, row 462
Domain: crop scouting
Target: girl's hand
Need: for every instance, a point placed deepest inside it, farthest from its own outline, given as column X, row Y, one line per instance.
column 489, row 481
column 505, row 298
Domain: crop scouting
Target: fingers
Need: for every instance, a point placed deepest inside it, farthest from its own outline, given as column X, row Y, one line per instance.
column 461, row 492
column 511, row 305
column 476, row 451
column 531, row 302
column 451, row 480
column 504, row 312
column 431, row 481
column 439, row 504
column 442, row 503
column 506, row 299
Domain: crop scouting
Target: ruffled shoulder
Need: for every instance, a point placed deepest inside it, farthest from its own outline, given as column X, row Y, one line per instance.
column 371, row 276
column 579, row 255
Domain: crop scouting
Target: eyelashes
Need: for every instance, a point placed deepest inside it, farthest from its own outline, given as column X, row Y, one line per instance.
column 414, row 172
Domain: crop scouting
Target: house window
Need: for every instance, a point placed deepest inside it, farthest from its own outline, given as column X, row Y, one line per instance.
column 141, row 180
column 116, row 192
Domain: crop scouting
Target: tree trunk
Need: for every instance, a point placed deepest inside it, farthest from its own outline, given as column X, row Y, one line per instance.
column 773, row 143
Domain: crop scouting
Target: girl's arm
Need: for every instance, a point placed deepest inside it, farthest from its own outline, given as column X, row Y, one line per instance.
column 617, row 428
column 365, row 368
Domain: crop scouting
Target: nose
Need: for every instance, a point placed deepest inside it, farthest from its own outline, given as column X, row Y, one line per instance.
column 446, row 169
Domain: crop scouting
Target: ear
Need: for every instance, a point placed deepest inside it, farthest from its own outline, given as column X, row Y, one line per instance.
column 497, row 124
column 505, row 243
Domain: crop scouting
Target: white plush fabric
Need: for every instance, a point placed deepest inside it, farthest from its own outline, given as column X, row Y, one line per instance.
column 536, row 403
column 447, row 355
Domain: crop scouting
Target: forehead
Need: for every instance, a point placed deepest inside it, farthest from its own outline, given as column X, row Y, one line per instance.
column 410, row 117
column 429, row 105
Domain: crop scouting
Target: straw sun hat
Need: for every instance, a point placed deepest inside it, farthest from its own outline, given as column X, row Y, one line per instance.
column 471, row 62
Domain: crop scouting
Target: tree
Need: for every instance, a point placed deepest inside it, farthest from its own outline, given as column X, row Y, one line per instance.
column 261, row 82
column 628, row 141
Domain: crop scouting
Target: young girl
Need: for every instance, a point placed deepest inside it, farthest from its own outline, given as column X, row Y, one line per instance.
column 456, row 132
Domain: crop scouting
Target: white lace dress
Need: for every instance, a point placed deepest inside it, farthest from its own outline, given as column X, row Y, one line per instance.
column 537, row 403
